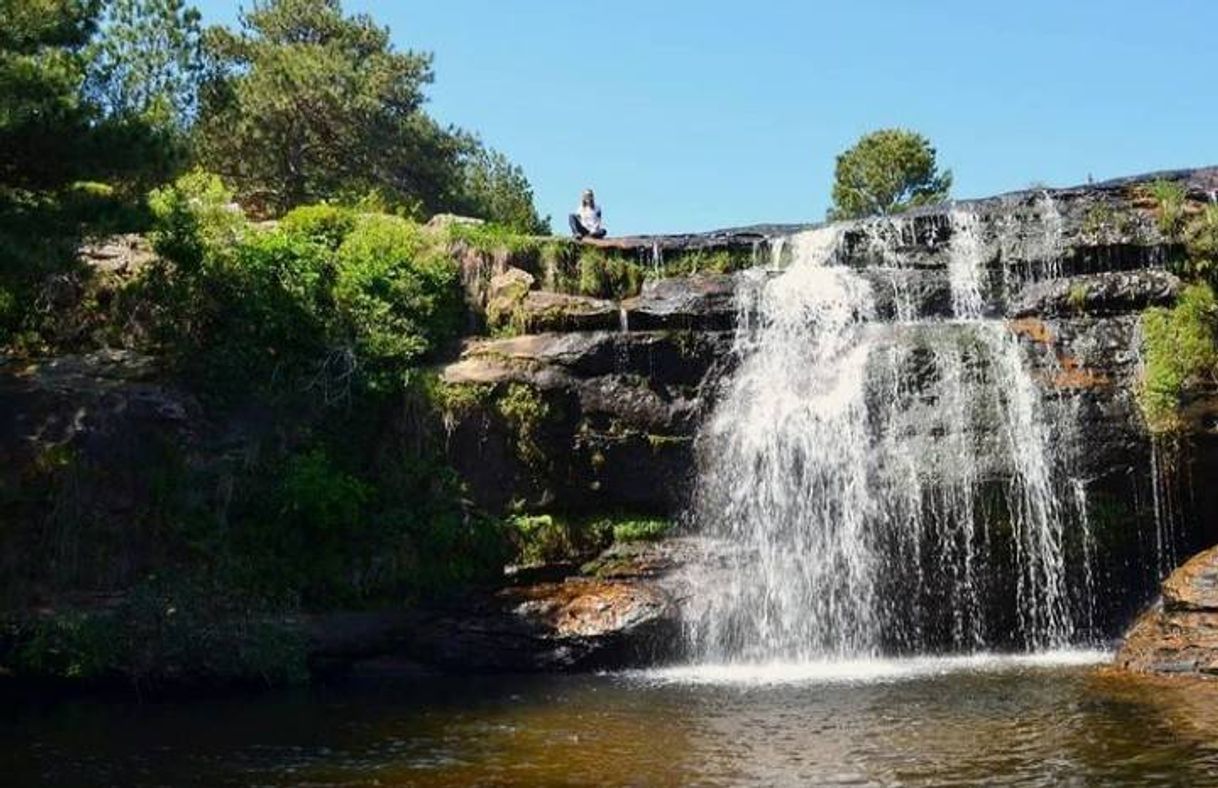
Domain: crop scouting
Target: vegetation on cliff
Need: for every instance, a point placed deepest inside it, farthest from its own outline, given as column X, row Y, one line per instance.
column 100, row 100
column 304, row 339
column 1180, row 344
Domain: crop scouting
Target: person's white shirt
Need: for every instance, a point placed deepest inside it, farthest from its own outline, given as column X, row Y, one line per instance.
column 590, row 217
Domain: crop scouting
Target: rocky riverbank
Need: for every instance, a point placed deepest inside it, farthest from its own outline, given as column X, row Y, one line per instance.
column 1178, row 635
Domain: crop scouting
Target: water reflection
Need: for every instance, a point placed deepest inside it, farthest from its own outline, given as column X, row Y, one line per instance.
column 1020, row 724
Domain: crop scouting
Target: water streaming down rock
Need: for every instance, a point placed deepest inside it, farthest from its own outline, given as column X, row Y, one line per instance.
column 878, row 487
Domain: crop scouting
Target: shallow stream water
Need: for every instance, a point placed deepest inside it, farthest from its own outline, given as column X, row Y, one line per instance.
column 1053, row 720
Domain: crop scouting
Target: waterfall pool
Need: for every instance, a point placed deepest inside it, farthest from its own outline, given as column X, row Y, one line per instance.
column 1047, row 720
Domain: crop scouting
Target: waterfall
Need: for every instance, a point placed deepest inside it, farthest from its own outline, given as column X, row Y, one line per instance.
column 873, row 487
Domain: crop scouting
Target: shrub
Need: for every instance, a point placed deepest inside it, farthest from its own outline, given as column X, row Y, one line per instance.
column 260, row 312
column 1201, row 242
column 525, row 412
column 322, row 223
column 1179, row 353
column 1169, row 197
column 399, row 299
column 300, row 534
column 194, row 215
column 173, row 629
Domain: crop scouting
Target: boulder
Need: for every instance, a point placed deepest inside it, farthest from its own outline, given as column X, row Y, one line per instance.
column 624, row 615
column 543, row 311
column 701, row 301
column 119, row 255
column 1179, row 634
column 505, row 296
column 620, row 414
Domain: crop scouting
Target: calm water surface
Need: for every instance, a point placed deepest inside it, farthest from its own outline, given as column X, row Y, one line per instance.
column 924, row 722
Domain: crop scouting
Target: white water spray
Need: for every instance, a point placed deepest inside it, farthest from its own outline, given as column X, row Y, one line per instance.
column 851, row 470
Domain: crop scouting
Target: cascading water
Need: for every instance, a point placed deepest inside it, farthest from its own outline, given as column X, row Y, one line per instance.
column 875, row 487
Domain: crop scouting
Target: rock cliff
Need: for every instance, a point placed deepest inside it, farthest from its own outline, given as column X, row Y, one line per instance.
column 1178, row 635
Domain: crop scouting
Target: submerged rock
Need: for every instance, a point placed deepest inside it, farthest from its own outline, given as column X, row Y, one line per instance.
column 1179, row 634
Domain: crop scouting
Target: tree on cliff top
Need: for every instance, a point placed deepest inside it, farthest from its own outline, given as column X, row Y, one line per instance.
column 85, row 91
column 886, row 172
column 305, row 103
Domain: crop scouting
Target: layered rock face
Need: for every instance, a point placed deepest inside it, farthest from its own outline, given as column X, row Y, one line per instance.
column 1070, row 270
column 1067, row 271
column 1179, row 634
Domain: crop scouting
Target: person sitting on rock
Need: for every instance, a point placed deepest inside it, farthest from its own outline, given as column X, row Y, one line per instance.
column 586, row 223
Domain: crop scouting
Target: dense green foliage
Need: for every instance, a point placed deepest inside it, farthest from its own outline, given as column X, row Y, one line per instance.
column 165, row 630
column 68, row 104
column 102, row 100
column 329, row 298
column 1180, row 352
column 542, row 538
column 886, row 172
column 305, row 103
column 401, row 297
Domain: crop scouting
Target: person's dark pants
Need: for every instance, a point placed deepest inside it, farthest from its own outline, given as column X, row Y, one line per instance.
column 579, row 231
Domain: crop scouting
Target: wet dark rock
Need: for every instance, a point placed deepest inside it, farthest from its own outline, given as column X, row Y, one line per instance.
column 622, row 411
column 1108, row 293
column 1179, row 634
column 78, row 437
column 910, row 293
column 701, row 301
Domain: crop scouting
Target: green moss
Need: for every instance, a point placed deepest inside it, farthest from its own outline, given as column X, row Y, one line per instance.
column 640, row 530
column 461, row 399
column 1179, row 353
column 541, row 538
column 661, row 442
column 608, row 276
column 544, row 538
column 715, row 261
column 524, row 411
column 493, row 238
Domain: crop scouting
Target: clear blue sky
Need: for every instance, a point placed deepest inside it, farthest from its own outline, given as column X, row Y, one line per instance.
column 697, row 114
